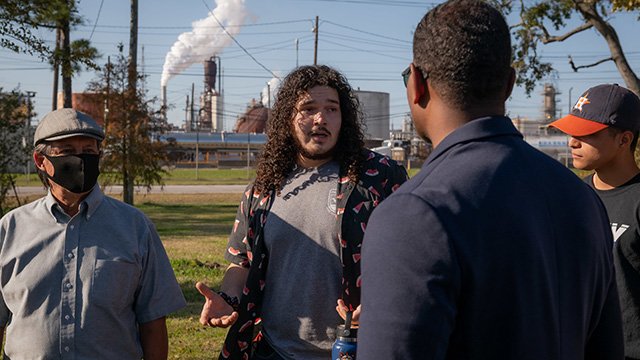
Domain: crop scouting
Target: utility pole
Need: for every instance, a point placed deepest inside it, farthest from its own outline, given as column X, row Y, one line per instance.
column 297, row 44
column 132, row 75
column 198, row 143
column 187, row 123
column 142, row 69
column 56, row 72
column 27, row 128
column 315, row 48
column 197, row 128
column 106, row 99
column 570, row 104
column 66, row 64
column 191, row 109
column 268, row 94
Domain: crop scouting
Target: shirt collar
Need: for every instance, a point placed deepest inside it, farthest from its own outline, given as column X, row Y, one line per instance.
column 90, row 203
column 477, row 129
column 93, row 201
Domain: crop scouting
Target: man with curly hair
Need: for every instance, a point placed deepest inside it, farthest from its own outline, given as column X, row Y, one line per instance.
column 510, row 253
column 295, row 245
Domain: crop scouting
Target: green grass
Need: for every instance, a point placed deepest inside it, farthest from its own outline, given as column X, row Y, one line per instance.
column 31, row 180
column 207, row 176
column 194, row 230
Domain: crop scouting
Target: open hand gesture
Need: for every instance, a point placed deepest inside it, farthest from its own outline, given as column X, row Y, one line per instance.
column 215, row 311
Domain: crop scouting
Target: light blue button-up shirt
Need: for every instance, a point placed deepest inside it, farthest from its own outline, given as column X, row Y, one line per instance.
column 77, row 287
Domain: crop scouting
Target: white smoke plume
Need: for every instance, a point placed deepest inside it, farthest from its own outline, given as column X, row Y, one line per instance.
column 206, row 39
column 270, row 91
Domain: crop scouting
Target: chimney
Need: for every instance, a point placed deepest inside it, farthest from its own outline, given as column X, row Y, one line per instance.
column 210, row 72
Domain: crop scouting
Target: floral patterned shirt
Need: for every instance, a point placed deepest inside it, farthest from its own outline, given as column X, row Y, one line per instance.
column 381, row 176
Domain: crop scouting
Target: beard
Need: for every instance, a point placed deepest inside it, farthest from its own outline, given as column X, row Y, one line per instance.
column 323, row 156
column 314, row 156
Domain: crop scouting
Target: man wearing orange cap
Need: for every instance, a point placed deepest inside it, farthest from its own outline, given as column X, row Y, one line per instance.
column 603, row 126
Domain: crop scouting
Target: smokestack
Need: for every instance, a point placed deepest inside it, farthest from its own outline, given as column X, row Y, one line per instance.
column 163, row 101
column 208, row 37
column 549, row 94
column 210, row 72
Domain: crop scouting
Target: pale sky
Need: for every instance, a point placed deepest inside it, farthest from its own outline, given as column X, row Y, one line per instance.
column 368, row 40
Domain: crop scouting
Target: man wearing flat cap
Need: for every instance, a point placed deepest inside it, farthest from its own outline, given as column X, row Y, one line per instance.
column 82, row 275
column 603, row 126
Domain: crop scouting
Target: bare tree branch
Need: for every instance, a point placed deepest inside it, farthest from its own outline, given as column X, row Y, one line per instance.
column 576, row 68
column 549, row 39
column 545, row 32
column 515, row 26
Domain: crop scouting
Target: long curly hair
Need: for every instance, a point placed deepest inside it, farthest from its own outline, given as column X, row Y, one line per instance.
column 278, row 157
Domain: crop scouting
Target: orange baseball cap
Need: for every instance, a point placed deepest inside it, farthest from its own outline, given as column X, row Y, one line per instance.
column 600, row 107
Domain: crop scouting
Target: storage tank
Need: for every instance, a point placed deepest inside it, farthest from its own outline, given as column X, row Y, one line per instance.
column 375, row 106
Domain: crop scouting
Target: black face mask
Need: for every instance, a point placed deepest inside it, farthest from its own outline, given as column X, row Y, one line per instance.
column 76, row 173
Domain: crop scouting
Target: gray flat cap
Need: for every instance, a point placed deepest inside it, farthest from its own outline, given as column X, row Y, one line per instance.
column 65, row 123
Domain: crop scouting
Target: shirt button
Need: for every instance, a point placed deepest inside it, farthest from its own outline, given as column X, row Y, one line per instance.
column 67, row 317
column 70, row 255
column 72, row 227
column 66, row 348
column 68, row 286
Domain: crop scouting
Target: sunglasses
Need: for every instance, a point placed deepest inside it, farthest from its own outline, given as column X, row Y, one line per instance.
column 407, row 72
column 405, row 75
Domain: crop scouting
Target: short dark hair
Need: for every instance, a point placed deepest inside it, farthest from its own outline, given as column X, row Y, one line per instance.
column 279, row 154
column 464, row 46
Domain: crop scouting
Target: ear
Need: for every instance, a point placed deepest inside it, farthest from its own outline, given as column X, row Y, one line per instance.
column 38, row 159
column 417, row 85
column 510, row 83
column 626, row 138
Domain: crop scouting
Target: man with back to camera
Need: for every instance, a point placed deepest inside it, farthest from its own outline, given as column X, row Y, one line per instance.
column 82, row 275
column 497, row 266
column 295, row 245
column 603, row 126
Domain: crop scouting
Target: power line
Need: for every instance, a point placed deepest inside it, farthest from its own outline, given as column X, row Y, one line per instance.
column 363, row 40
column 204, row 27
column 415, row 4
column 267, row 77
column 237, row 43
column 367, row 51
column 172, row 34
column 257, row 52
column 97, row 18
column 20, row 69
column 366, row 32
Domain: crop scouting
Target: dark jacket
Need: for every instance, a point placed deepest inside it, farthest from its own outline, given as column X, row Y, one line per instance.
column 508, row 255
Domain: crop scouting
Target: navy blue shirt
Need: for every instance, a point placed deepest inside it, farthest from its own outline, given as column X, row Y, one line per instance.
column 509, row 257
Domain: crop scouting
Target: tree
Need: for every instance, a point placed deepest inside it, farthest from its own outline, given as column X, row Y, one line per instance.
column 132, row 150
column 68, row 56
column 15, row 143
column 19, row 19
column 17, row 22
column 132, row 77
column 538, row 18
